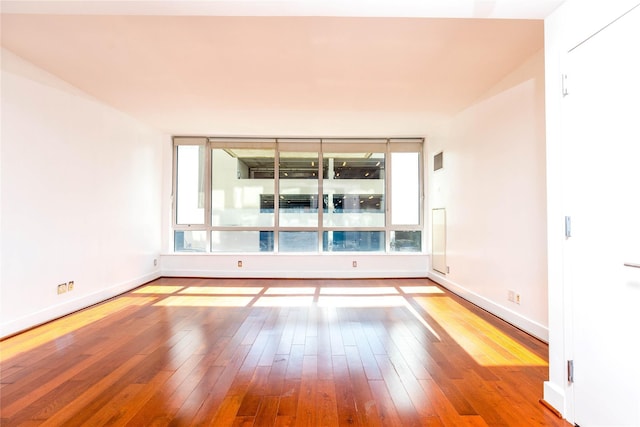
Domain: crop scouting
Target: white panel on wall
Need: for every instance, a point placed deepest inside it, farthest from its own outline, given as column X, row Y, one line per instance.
column 439, row 240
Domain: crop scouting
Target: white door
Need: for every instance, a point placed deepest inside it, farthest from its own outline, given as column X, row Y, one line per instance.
column 602, row 191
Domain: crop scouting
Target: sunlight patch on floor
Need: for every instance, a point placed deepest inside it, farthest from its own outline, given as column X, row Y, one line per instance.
column 204, row 301
column 359, row 301
column 284, row 301
column 291, row 291
column 227, row 296
column 421, row 319
column 370, row 290
column 157, row 289
column 421, row 290
column 52, row 331
column 485, row 343
column 222, row 290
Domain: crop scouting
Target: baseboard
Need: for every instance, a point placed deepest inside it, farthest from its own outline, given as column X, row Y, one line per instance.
column 51, row 313
column 554, row 397
column 531, row 327
column 297, row 274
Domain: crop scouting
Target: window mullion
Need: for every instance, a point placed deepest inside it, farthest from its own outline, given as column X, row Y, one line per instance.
column 208, row 171
column 174, row 192
column 387, row 198
column 276, row 199
column 320, row 198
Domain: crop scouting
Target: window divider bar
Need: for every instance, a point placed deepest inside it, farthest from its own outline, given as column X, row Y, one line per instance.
column 208, row 173
column 387, row 198
column 320, row 198
column 276, row 198
column 174, row 192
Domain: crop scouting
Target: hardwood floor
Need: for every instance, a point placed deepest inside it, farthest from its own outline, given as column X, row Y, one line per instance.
column 236, row 352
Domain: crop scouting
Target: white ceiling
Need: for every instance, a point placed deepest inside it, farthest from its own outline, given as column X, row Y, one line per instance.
column 203, row 67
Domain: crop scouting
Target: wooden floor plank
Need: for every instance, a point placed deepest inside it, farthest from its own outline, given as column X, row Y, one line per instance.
column 159, row 355
column 268, row 412
column 401, row 399
column 365, row 352
column 88, row 392
column 345, row 395
column 228, row 410
column 366, row 408
column 325, row 358
column 326, row 403
column 167, row 400
column 306, row 414
column 288, row 406
column 386, row 408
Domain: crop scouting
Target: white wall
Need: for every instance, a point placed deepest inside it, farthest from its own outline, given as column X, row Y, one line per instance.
column 493, row 189
column 81, row 198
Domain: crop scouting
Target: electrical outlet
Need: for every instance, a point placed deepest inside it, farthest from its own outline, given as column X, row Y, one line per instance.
column 62, row 288
column 448, row 269
column 239, row 264
column 511, row 296
column 155, row 262
column 354, row 264
column 70, row 286
column 517, row 298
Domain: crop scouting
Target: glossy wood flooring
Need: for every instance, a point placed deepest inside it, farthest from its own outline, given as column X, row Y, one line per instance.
column 232, row 352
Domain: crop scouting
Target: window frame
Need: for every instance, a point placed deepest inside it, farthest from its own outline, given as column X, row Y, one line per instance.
column 322, row 145
column 199, row 141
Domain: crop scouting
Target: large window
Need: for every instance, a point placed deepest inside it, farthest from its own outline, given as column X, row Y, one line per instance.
column 305, row 195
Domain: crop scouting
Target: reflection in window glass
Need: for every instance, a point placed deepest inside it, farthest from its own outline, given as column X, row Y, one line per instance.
column 190, row 241
column 405, row 188
column 298, row 201
column 242, row 241
column 190, row 184
column 406, row 241
column 298, row 241
column 239, row 180
column 354, row 189
column 356, row 241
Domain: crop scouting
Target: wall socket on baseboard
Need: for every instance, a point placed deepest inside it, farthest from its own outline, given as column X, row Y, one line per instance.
column 513, row 296
column 63, row 288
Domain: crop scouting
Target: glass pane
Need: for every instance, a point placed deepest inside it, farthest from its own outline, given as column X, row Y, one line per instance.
column 242, row 187
column 242, row 241
column 190, row 184
column 406, row 241
column 298, row 201
column 190, row 241
column 298, row 241
column 405, row 188
column 354, row 189
column 354, row 241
